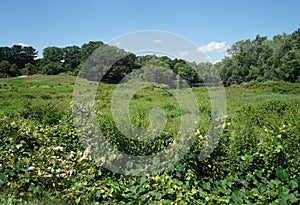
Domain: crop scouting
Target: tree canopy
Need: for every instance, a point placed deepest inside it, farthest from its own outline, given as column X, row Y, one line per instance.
column 259, row 59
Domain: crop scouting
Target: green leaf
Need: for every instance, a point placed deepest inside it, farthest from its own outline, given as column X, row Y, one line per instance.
column 283, row 190
column 292, row 199
column 98, row 194
column 282, row 174
column 38, row 189
column 2, row 179
column 237, row 196
column 225, row 191
column 293, row 184
column 274, row 183
column 206, row 186
column 283, row 202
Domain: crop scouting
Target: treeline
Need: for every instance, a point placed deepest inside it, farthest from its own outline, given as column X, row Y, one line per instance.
column 19, row 60
column 110, row 64
column 262, row 59
column 22, row 60
column 15, row 60
column 248, row 60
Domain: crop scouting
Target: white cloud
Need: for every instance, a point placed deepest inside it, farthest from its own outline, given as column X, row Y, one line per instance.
column 157, row 41
column 207, row 58
column 213, row 47
column 23, row 44
column 117, row 44
column 183, row 53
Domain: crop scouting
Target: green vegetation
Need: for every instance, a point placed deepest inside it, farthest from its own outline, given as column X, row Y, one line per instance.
column 248, row 60
column 261, row 59
column 43, row 162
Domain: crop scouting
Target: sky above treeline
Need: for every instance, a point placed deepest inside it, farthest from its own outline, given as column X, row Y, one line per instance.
column 212, row 25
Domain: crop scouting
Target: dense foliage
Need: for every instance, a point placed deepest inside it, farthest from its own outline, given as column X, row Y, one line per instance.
column 261, row 59
column 22, row 60
column 42, row 161
column 17, row 60
column 248, row 60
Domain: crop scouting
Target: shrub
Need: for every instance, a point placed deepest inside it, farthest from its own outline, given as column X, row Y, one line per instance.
column 47, row 113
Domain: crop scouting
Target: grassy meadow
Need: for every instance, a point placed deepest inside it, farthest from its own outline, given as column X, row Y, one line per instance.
column 43, row 162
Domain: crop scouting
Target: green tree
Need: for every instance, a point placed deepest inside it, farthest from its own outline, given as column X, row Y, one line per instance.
column 120, row 68
column 100, row 64
column 153, row 60
column 225, row 68
column 186, row 71
column 5, row 53
column 262, row 51
column 20, row 55
column 243, row 59
column 52, row 68
column 4, row 68
column 88, row 48
column 208, row 72
column 290, row 67
column 53, row 54
column 71, row 57
column 262, row 59
column 29, row 55
column 29, row 69
column 13, row 70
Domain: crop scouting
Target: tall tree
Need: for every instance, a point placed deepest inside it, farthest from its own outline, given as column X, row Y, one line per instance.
column 186, row 71
column 121, row 68
column 88, row 48
column 71, row 57
column 52, row 68
column 53, row 54
column 4, row 68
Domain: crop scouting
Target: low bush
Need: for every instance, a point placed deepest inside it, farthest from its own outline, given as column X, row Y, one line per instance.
column 42, row 159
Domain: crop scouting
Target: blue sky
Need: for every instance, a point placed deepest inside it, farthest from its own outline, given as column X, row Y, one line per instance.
column 212, row 24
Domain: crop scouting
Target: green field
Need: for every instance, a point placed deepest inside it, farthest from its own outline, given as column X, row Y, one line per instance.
column 43, row 162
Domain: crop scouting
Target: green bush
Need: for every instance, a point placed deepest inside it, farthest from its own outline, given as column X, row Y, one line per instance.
column 275, row 87
column 266, row 135
column 47, row 113
column 42, row 160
